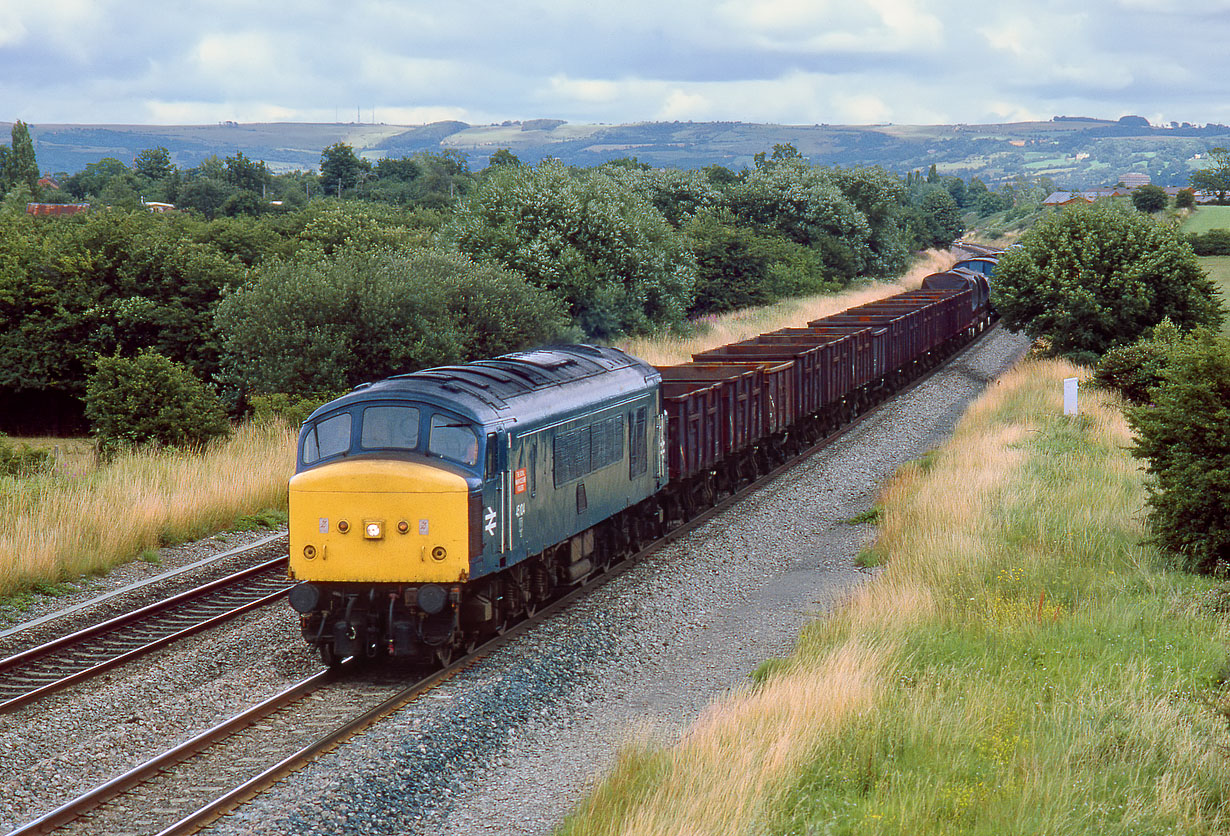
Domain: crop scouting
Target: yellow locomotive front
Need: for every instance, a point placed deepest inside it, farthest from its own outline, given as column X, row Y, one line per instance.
column 382, row 525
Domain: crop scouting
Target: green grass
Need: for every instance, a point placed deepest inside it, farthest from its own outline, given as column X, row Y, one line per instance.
column 265, row 520
column 1218, row 268
column 871, row 515
column 1206, row 218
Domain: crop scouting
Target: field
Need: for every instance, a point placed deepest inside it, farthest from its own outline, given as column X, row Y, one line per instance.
column 1218, row 268
column 1206, row 218
column 1023, row 664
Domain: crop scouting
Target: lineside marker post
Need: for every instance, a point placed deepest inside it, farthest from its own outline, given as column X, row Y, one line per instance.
column 1069, row 395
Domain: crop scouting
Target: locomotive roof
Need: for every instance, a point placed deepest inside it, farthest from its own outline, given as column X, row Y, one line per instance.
column 517, row 387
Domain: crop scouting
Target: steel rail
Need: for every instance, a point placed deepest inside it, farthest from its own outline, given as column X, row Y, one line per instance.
column 13, row 665
column 160, row 578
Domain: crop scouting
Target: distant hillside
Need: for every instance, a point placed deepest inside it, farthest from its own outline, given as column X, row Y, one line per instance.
column 1074, row 151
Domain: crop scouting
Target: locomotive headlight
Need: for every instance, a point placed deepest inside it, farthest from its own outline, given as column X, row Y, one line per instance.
column 343, row 526
column 403, row 526
column 373, row 529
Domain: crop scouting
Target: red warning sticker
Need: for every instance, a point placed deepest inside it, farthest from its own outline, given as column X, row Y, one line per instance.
column 519, row 480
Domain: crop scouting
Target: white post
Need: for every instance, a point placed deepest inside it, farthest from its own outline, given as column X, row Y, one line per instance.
column 1069, row 395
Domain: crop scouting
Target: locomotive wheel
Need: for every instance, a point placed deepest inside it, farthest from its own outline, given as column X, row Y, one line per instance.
column 329, row 656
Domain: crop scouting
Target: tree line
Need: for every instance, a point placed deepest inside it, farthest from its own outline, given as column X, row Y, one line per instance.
column 311, row 282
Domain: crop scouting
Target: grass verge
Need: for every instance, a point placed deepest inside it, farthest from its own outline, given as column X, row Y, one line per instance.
column 73, row 522
column 1023, row 664
column 1218, row 268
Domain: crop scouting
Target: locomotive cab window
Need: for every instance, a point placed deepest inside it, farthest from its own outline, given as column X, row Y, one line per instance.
column 453, row 439
column 390, row 427
column 328, row 437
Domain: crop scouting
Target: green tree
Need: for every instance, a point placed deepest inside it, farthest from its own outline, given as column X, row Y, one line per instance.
column 91, row 180
column 584, row 236
column 154, row 163
column 942, row 217
column 678, row 195
column 1183, row 437
column 807, row 205
column 504, row 157
column 247, row 175
column 1091, row 278
column 206, row 195
column 1149, row 198
column 316, row 324
column 20, row 166
column 1214, row 177
column 738, row 268
column 150, row 400
column 340, row 168
column 1185, row 199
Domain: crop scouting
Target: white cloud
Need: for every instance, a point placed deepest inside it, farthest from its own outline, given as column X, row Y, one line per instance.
column 70, row 27
column 793, row 61
column 874, row 26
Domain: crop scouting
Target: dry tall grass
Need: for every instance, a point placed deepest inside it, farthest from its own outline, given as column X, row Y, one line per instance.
column 742, row 325
column 60, row 526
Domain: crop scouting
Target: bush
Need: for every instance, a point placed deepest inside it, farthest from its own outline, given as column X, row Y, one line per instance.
column 1184, row 439
column 1134, row 370
column 583, row 236
column 327, row 323
column 1213, row 242
column 1088, row 279
column 21, row 460
column 150, row 401
column 1149, row 198
column 293, row 409
column 1185, row 199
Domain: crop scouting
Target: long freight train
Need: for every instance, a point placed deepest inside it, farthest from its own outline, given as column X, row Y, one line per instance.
column 432, row 509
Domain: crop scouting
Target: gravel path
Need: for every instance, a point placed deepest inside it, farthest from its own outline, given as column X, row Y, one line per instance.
column 509, row 745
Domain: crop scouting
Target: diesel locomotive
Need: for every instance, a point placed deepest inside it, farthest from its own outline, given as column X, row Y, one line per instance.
column 430, row 510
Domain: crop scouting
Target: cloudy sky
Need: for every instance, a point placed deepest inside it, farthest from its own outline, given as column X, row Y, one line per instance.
column 482, row 61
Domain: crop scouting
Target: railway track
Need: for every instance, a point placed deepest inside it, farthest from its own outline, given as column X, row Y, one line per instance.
column 187, row 787
column 73, row 658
